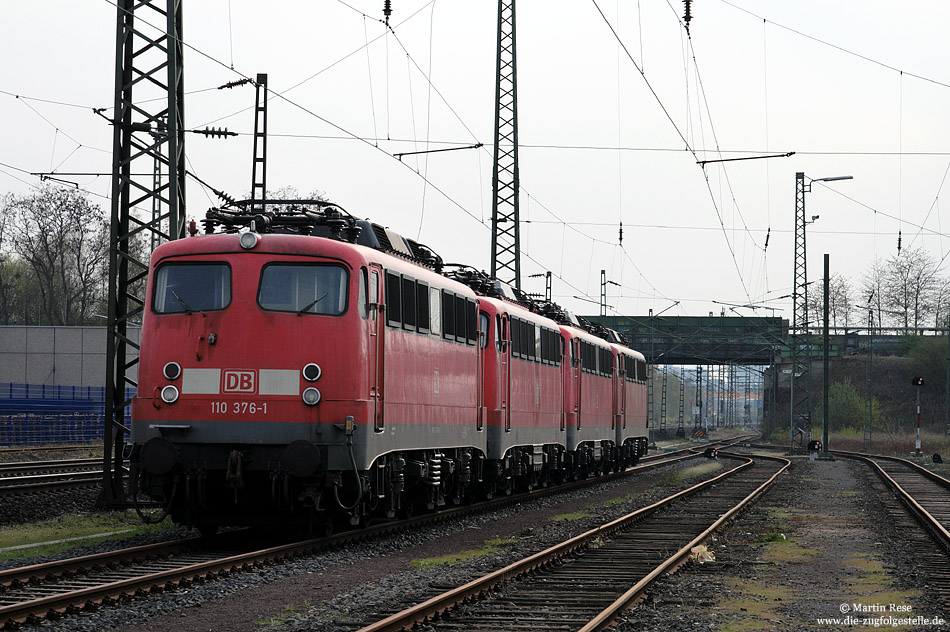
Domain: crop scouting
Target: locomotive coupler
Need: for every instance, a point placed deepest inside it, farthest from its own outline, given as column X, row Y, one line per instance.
column 312, row 497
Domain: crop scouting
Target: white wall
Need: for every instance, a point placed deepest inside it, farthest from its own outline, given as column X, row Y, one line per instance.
column 67, row 356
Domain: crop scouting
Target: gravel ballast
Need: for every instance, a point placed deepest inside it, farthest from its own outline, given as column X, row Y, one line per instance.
column 350, row 584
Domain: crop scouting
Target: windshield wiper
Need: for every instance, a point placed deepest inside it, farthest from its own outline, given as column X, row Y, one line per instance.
column 180, row 300
column 315, row 301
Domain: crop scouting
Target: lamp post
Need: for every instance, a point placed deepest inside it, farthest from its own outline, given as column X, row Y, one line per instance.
column 800, row 404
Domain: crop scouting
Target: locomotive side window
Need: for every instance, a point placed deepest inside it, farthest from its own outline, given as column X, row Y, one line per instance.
column 531, row 340
column 361, row 303
column 191, row 287
column 374, row 290
column 471, row 327
column 408, row 303
column 303, row 288
column 422, row 307
column 551, row 347
column 515, row 326
column 460, row 318
column 606, row 362
column 596, row 359
column 393, row 292
column 448, row 315
column 435, row 312
column 484, row 325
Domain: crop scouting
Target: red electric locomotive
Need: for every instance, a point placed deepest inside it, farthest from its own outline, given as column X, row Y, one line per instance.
column 298, row 365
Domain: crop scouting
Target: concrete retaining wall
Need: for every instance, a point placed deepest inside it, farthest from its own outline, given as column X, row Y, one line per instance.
column 67, row 356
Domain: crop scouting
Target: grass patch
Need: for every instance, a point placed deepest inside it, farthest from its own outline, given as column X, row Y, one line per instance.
column 577, row 515
column 787, row 551
column 72, row 526
column 701, row 470
column 752, row 598
column 774, row 536
column 281, row 617
column 490, row 548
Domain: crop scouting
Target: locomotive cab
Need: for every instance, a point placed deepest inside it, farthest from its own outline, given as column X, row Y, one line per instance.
column 244, row 381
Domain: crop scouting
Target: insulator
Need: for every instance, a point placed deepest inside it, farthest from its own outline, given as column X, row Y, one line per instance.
column 387, row 10
column 621, row 233
column 353, row 233
column 234, row 84
column 898, row 242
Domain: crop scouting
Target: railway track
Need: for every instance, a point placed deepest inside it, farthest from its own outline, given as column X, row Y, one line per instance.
column 926, row 497
column 586, row 582
column 50, row 590
column 27, row 468
column 50, row 448
column 43, row 476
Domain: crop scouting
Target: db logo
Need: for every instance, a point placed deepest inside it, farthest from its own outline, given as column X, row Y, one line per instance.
column 238, row 381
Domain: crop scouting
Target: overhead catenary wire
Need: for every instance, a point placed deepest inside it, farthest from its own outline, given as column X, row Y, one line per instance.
column 837, row 47
column 933, row 205
column 282, row 95
column 682, row 137
column 758, row 235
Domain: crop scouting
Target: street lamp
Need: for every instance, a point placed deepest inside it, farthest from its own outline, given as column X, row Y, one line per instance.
column 801, row 353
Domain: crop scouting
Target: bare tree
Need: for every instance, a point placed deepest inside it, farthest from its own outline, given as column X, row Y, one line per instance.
column 910, row 286
column 942, row 303
column 840, row 308
column 6, row 272
column 872, row 288
column 64, row 239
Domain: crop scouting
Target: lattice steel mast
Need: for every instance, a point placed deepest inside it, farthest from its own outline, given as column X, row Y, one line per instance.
column 505, row 225
column 259, row 174
column 148, row 138
column 799, row 391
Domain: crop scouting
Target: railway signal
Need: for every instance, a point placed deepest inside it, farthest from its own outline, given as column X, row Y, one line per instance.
column 918, row 382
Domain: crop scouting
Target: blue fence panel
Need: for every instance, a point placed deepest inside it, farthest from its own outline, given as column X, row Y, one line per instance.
column 43, row 414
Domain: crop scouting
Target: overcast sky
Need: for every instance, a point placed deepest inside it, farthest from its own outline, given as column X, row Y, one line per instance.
column 853, row 87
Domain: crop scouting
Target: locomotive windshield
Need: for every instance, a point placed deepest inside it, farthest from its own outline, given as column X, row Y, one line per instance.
column 304, row 289
column 191, row 287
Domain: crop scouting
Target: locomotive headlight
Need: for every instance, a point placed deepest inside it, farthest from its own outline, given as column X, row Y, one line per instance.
column 169, row 394
column 172, row 371
column 249, row 240
column 311, row 396
column 311, row 372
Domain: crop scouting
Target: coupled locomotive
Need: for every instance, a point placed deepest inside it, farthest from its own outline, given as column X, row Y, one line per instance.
column 300, row 366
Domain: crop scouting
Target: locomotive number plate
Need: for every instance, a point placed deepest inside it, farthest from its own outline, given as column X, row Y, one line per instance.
column 238, row 408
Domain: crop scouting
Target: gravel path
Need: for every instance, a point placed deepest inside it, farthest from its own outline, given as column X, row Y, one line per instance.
column 814, row 547
column 315, row 593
